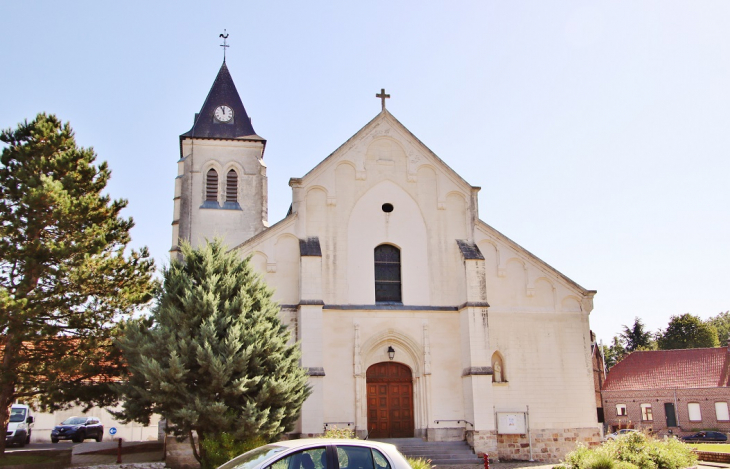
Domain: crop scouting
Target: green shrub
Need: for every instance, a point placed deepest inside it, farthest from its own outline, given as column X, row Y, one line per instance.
column 624, row 465
column 223, row 447
column 334, row 432
column 600, row 461
column 633, row 451
column 419, row 463
column 577, row 458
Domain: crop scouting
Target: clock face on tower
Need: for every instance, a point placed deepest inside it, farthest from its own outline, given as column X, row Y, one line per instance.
column 223, row 114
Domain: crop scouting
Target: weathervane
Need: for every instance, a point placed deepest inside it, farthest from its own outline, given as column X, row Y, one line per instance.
column 224, row 45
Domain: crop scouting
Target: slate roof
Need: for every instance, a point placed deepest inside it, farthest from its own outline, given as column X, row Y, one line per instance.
column 223, row 92
column 469, row 249
column 671, row 369
column 310, row 247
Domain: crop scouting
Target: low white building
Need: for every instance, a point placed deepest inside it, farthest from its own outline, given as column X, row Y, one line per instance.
column 45, row 421
column 383, row 251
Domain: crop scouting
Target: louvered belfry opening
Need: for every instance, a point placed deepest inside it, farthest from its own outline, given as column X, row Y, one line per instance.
column 387, row 274
column 232, row 186
column 211, row 185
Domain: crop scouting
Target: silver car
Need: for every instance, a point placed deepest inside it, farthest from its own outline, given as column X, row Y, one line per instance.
column 321, row 453
column 622, row 432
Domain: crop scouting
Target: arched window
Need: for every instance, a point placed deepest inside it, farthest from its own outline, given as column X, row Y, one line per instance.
column 211, row 185
column 387, row 274
column 232, row 186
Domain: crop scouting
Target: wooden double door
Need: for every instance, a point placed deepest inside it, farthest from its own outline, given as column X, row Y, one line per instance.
column 390, row 401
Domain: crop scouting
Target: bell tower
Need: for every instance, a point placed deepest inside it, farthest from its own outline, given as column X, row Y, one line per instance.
column 221, row 187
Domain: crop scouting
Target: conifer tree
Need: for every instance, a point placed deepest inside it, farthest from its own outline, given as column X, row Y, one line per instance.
column 213, row 356
column 636, row 337
column 613, row 353
column 64, row 275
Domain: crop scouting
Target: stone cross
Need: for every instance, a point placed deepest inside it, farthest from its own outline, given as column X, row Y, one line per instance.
column 382, row 96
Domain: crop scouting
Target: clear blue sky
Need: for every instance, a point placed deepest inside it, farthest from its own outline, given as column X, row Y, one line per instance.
column 598, row 131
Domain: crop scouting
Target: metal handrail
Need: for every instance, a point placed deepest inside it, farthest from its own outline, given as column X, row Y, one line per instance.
column 457, row 421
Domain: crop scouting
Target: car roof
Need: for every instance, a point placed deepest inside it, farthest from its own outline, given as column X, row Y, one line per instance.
column 332, row 441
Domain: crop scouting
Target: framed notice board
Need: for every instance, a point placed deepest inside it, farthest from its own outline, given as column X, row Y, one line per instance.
column 511, row 423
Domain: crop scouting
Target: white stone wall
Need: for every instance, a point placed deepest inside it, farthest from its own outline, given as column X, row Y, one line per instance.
column 195, row 224
column 537, row 319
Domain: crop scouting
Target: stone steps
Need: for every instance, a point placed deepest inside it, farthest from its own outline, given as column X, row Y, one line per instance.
column 441, row 453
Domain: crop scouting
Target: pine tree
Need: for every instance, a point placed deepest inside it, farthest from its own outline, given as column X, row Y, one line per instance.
column 64, row 275
column 213, row 356
column 636, row 337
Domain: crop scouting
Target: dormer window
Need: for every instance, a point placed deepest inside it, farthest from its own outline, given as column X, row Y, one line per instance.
column 211, row 185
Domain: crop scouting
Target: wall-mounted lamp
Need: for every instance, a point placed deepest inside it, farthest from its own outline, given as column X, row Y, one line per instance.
column 391, row 352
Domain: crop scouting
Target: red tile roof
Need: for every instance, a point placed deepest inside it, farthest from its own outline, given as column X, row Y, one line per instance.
column 662, row 369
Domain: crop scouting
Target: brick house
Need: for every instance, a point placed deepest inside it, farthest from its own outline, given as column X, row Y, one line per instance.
column 670, row 391
column 599, row 374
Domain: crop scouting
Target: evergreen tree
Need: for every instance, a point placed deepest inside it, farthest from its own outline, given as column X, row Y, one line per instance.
column 614, row 353
column 687, row 331
column 213, row 357
column 722, row 324
column 64, row 276
column 636, row 337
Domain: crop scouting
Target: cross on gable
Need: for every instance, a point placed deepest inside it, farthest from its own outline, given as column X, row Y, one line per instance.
column 382, row 96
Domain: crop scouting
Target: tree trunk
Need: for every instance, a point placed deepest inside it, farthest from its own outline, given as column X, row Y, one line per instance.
column 6, row 400
column 196, row 453
column 7, row 386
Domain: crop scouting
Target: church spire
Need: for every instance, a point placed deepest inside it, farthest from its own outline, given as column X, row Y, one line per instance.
column 223, row 115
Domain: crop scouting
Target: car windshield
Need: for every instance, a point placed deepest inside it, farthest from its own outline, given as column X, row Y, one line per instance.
column 74, row 421
column 252, row 458
column 17, row 415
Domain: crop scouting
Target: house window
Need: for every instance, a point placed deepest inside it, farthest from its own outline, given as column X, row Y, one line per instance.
column 232, row 186
column 721, row 412
column 387, row 274
column 694, row 412
column 620, row 409
column 646, row 412
column 211, row 185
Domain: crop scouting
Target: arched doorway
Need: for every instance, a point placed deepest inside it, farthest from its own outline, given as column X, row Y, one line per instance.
column 390, row 400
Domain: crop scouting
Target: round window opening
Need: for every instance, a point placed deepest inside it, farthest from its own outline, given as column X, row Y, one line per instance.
column 387, row 208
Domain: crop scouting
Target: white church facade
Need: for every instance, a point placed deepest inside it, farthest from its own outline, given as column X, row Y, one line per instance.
column 415, row 317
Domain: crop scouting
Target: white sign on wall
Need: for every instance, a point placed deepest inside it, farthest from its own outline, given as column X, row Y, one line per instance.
column 511, row 423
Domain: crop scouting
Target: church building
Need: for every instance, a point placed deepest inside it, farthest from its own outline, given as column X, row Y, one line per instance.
column 415, row 317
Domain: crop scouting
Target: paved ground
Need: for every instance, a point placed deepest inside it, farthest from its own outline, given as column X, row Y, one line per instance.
column 49, row 445
column 77, row 447
column 85, row 454
column 105, row 459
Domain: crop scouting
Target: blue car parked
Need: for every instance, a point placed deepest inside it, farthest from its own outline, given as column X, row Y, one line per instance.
column 78, row 429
